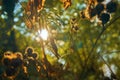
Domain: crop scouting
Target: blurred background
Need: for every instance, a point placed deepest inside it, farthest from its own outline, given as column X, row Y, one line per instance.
column 64, row 34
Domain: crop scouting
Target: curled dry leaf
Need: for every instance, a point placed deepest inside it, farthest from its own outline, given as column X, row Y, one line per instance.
column 66, row 3
column 35, row 4
column 39, row 4
column 31, row 11
column 54, row 47
column 28, row 24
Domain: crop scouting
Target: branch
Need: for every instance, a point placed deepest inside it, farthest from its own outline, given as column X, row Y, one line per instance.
column 106, row 64
column 46, row 64
column 74, row 48
column 92, row 50
column 97, row 39
column 99, row 36
column 116, row 51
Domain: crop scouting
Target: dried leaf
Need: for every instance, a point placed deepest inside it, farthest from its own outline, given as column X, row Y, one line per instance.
column 39, row 4
column 28, row 24
column 54, row 47
column 43, row 2
column 66, row 3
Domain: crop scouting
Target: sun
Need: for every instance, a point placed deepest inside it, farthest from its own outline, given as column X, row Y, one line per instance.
column 44, row 34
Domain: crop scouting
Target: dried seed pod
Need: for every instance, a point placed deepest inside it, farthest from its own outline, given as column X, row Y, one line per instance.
column 75, row 27
column 35, row 55
column 29, row 51
column 100, row 1
column 8, row 53
column 6, row 61
column 19, row 55
column 10, row 71
column 111, row 7
column 16, row 62
column 73, row 20
column 93, row 13
column 104, row 17
column 82, row 14
column 99, row 7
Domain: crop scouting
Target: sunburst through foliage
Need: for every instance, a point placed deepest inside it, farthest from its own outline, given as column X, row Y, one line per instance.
column 59, row 40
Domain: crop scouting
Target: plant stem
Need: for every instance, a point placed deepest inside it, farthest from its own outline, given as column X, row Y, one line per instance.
column 96, row 41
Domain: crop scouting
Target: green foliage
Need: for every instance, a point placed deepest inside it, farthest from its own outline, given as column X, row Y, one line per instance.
column 83, row 39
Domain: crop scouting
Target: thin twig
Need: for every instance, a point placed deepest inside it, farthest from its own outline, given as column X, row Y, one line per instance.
column 116, row 51
column 105, row 62
column 103, row 30
column 45, row 59
column 97, row 39
column 74, row 49
column 91, row 51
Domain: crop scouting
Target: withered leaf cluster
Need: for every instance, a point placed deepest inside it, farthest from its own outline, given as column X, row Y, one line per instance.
column 12, row 62
column 67, row 3
column 32, row 11
column 99, row 9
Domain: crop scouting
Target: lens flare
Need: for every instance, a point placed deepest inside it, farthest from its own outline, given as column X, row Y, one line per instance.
column 44, row 34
